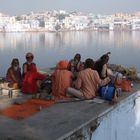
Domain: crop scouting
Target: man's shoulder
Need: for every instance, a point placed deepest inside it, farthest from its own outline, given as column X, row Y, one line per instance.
column 25, row 63
column 88, row 70
column 9, row 69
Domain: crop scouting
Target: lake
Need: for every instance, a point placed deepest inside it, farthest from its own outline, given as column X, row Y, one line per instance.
column 49, row 48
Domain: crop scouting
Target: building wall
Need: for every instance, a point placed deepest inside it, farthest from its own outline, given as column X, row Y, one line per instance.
column 122, row 123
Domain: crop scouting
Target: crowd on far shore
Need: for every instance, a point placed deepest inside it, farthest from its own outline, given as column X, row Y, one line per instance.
column 70, row 78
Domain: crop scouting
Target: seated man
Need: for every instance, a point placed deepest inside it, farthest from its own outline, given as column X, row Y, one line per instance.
column 75, row 65
column 101, row 65
column 29, row 64
column 31, row 77
column 61, row 80
column 87, row 82
column 13, row 76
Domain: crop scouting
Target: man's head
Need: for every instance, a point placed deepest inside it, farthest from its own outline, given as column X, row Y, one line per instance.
column 29, row 57
column 15, row 62
column 105, row 58
column 77, row 57
column 89, row 63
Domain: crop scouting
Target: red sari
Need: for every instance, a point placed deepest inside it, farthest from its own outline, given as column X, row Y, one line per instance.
column 31, row 77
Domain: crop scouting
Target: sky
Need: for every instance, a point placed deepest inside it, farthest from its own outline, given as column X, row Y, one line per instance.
column 18, row 7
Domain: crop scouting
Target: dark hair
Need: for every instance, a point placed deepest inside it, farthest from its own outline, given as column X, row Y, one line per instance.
column 89, row 63
column 104, row 58
column 29, row 55
column 77, row 55
column 15, row 60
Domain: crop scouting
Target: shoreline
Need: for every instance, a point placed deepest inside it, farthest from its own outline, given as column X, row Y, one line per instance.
column 61, row 31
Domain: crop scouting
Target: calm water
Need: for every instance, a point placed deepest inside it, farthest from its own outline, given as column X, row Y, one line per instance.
column 49, row 48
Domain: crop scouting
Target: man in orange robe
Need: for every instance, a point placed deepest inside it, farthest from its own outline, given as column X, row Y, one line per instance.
column 61, row 80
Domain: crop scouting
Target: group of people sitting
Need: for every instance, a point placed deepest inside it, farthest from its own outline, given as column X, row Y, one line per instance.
column 70, row 78
column 80, row 79
column 29, row 80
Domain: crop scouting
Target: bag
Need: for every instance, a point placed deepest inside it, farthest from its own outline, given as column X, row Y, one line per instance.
column 46, row 84
column 125, row 85
column 107, row 92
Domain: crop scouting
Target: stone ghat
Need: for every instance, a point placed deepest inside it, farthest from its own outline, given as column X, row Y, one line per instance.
column 71, row 121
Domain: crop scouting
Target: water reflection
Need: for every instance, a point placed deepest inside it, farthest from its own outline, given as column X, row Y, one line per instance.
column 49, row 48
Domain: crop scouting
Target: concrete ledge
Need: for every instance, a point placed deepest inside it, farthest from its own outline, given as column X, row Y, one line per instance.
column 59, row 121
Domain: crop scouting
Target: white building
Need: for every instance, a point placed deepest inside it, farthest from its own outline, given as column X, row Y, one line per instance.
column 135, row 24
column 4, row 19
column 51, row 23
column 18, row 26
column 76, row 22
column 34, row 24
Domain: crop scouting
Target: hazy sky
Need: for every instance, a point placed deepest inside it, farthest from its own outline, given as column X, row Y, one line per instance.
column 17, row 7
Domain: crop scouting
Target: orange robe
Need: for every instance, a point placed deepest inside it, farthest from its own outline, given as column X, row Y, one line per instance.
column 88, row 81
column 61, row 80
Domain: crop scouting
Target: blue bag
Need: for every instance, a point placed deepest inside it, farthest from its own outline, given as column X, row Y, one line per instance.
column 107, row 92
